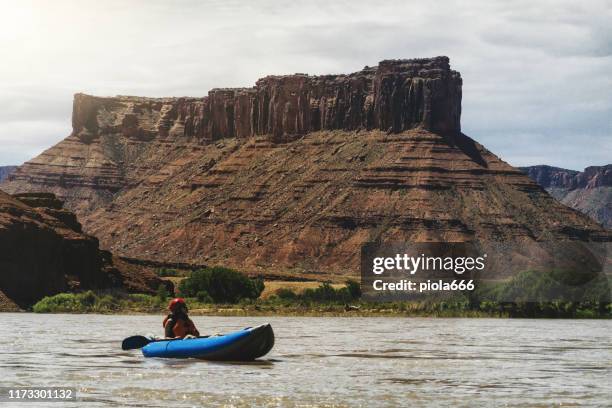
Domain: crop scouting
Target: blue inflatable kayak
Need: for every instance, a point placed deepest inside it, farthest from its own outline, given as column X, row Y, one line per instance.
column 244, row 345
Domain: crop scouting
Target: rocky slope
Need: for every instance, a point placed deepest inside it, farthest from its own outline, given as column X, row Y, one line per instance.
column 589, row 191
column 45, row 252
column 293, row 175
column 5, row 171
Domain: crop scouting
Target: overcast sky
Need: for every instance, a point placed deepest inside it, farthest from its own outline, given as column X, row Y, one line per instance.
column 537, row 74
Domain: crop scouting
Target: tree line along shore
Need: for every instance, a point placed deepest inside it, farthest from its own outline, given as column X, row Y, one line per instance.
column 226, row 292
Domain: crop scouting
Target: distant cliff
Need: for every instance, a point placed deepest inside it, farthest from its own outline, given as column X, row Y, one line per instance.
column 5, row 171
column 555, row 177
column 589, row 191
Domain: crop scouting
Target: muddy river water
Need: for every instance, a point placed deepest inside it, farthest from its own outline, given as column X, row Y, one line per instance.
column 319, row 362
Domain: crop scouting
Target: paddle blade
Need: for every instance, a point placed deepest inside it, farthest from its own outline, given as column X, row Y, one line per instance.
column 135, row 342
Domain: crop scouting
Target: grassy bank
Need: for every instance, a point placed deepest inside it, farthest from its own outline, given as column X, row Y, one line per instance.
column 222, row 291
column 122, row 303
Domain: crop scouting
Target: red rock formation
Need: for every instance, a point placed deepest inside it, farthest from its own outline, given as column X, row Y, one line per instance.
column 44, row 252
column 397, row 95
column 293, row 175
column 97, row 159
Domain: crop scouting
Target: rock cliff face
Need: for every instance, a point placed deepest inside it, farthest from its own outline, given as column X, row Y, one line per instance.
column 396, row 95
column 293, row 175
column 589, row 191
column 5, row 171
column 555, row 177
column 44, row 252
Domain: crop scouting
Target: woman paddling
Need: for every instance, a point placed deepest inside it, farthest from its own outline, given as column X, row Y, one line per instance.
column 178, row 324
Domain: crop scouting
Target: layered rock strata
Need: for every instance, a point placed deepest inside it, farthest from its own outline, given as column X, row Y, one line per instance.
column 292, row 176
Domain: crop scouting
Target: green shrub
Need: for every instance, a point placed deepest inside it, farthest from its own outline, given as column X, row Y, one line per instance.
column 354, row 289
column 87, row 299
column 327, row 293
column 107, row 303
column 140, row 301
column 259, row 286
column 63, row 302
column 89, row 302
column 204, row 297
column 165, row 272
column 67, row 303
column 224, row 285
column 555, row 293
column 141, row 298
column 285, row 293
column 162, row 293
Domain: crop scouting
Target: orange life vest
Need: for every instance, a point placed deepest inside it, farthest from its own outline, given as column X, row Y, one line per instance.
column 181, row 326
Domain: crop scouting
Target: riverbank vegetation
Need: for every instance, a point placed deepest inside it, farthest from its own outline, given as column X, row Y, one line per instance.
column 222, row 291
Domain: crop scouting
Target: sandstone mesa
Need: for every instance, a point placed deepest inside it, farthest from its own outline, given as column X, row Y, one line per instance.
column 292, row 175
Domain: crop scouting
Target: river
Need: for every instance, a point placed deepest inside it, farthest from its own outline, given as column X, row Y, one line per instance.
column 320, row 362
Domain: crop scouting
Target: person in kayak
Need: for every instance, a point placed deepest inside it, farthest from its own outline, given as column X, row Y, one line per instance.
column 178, row 324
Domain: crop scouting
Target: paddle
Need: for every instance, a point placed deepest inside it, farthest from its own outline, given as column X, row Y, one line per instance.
column 135, row 342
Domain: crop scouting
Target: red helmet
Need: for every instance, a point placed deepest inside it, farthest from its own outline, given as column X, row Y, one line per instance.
column 175, row 302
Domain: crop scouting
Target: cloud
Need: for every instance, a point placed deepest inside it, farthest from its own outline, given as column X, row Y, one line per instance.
column 22, row 140
column 537, row 83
